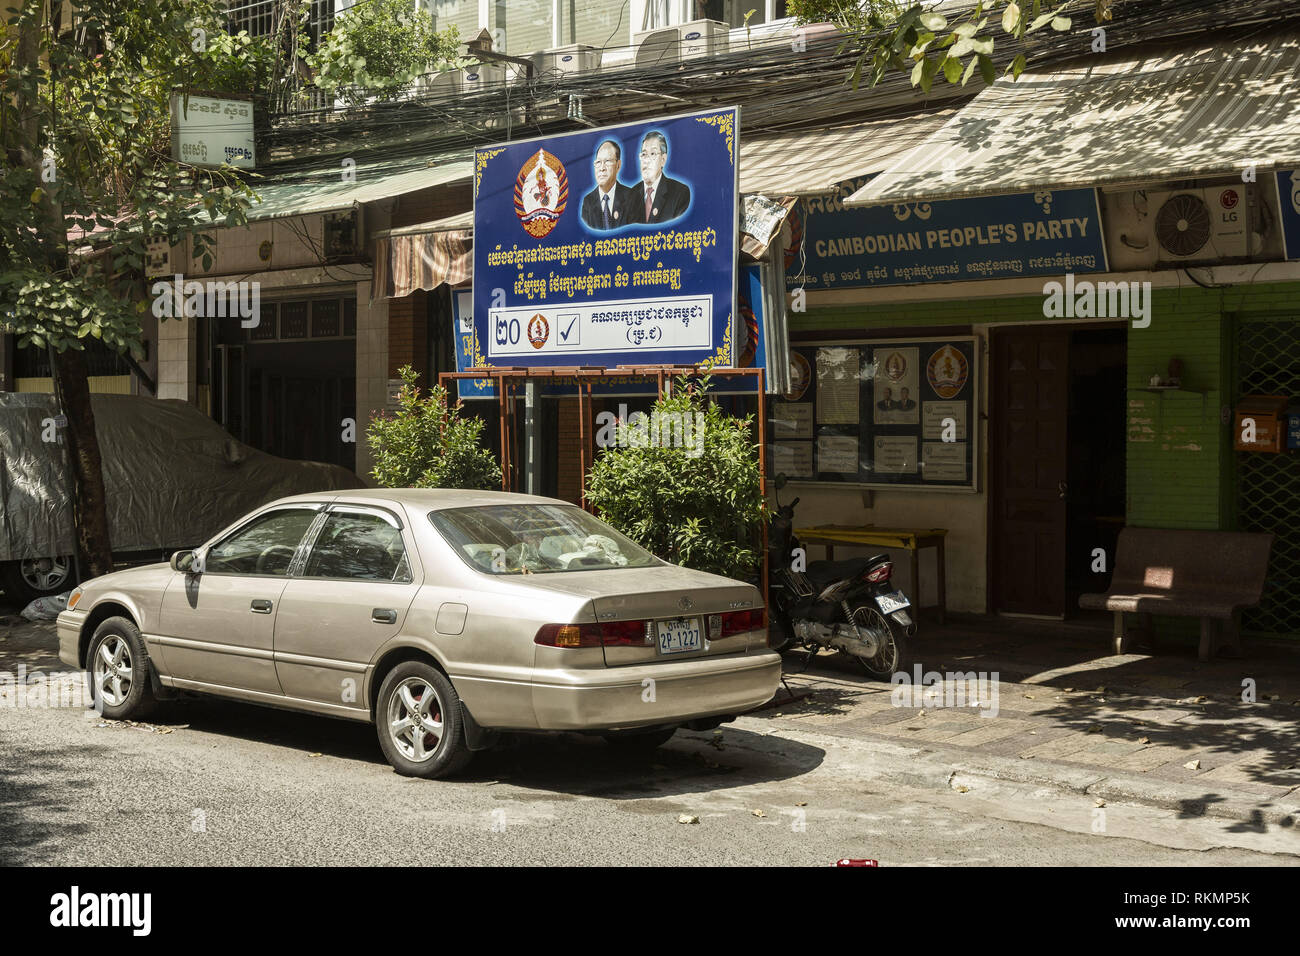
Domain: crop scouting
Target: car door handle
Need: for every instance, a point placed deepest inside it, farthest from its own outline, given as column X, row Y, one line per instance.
column 383, row 615
column 261, row 606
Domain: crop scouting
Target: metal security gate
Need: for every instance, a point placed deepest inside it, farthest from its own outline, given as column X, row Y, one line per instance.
column 1268, row 486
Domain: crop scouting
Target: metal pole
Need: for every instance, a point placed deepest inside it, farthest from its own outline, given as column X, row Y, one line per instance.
column 532, row 440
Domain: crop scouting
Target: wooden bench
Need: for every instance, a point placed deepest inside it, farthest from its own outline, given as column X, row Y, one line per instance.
column 1211, row 575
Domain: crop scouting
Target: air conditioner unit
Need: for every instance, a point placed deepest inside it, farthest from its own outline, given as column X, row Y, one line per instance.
column 576, row 58
column 816, row 38
column 482, row 76
column 1147, row 227
column 340, row 236
column 446, row 83
column 688, row 41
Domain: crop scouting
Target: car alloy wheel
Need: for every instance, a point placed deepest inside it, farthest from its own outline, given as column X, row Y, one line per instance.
column 415, row 719
column 113, row 671
column 46, row 574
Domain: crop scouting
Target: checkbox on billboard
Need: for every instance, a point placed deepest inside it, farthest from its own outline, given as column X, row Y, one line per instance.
column 570, row 329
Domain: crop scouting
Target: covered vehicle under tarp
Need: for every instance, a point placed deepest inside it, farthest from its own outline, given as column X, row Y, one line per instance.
column 173, row 477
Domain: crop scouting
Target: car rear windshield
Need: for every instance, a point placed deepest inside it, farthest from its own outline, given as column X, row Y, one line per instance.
column 536, row 539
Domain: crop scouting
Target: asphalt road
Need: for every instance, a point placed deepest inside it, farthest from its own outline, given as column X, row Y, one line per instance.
column 212, row 783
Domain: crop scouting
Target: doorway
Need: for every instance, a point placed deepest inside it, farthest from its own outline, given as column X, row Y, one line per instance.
column 1057, row 493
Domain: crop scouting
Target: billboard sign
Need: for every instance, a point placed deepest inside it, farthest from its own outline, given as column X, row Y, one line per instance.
column 997, row 237
column 751, row 335
column 207, row 131
column 608, row 247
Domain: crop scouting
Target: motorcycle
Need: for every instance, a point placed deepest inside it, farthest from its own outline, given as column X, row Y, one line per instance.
column 849, row 606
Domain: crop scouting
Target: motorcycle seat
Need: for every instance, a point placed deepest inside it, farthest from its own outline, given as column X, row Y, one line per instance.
column 822, row 573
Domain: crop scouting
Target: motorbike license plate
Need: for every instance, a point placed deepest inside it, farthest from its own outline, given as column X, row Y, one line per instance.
column 893, row 601
column 679, row 636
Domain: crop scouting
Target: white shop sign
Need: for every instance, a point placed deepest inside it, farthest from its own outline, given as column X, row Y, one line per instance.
column 207, row 131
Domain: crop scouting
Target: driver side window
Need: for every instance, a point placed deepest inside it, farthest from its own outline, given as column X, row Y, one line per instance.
column 265, row 547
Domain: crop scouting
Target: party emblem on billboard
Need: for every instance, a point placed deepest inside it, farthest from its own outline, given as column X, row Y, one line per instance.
column 538, row 330
column 947, row 372
column 541, row 193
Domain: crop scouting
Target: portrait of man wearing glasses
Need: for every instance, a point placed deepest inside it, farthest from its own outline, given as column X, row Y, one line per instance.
column 607, row 206
column 657, row 198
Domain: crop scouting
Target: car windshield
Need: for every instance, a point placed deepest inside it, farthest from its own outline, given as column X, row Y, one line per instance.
column 536, row 539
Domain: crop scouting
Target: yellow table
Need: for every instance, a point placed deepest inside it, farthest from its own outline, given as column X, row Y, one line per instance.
column 911, row 540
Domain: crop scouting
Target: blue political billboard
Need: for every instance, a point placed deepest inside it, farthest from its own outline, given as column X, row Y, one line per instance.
column 607, row 247
column 997, row 237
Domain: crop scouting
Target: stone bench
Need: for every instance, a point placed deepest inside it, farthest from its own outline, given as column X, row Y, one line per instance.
column 1211, row 575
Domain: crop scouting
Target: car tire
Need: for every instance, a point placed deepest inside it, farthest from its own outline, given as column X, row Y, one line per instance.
column 121, row 674
column 31, row 578
column 407, row 686
column 639, row 740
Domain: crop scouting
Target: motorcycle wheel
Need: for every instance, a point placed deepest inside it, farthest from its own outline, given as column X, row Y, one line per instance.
column 892, row 655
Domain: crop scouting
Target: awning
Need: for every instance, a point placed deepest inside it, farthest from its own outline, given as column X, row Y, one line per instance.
column 423, row 256
column 1120, row 119
column 325, row 191
column 812, row 162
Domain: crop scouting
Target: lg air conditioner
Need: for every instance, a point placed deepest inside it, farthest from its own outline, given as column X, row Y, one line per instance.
column 1148, row 228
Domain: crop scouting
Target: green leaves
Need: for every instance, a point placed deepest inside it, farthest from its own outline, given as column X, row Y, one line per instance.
column 694, row 503
column 1011, row 18
column 426, row 444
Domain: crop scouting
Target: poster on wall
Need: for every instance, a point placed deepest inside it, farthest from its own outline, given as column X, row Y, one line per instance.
column 884, row 413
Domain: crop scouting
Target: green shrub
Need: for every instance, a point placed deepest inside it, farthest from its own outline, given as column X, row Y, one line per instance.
column 696, row 506
column 425, row 444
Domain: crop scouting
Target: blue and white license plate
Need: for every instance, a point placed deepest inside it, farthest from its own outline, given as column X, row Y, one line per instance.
column 893, row 601
column 679, row 636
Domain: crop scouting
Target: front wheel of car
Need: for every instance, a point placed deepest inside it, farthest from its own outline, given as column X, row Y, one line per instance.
column 639, row 740
column 419, row 722
column 119, row 670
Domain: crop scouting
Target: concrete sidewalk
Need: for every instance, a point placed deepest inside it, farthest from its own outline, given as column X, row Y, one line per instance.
column 1056, row 708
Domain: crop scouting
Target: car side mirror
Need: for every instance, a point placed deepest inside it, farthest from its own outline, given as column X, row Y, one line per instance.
column 187, row 562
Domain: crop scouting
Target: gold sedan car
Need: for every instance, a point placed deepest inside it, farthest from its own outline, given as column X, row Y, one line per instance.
column 444, row 617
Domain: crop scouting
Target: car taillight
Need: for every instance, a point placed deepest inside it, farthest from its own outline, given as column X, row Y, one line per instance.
column 881, row 572
column 737, row 622
column 608, row 634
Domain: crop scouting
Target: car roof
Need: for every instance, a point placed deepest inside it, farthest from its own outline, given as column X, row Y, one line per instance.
column 431, row 499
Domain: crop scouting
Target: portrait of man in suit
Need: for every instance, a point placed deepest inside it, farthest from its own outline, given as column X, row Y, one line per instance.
column 607, row 206
column 657, row 198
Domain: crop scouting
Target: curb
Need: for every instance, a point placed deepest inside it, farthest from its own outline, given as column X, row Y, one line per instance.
column 928, row 766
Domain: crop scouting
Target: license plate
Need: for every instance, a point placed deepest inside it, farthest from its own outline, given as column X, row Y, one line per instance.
column 679, row 636
column 893, row 601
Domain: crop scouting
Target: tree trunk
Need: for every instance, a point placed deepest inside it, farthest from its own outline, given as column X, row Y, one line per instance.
column 69, row 371
column 89, row 505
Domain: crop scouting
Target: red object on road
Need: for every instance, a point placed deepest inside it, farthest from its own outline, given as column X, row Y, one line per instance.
column 856, row 863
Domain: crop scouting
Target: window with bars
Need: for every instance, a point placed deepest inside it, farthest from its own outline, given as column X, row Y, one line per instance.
column 1268, row 485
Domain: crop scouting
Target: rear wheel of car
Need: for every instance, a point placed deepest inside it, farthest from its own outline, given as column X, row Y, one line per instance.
column 119, row 670
column 419, row 723
column 31, row 578
column 635, row 740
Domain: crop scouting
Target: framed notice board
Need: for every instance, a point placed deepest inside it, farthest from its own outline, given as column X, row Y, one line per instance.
column 886, row 413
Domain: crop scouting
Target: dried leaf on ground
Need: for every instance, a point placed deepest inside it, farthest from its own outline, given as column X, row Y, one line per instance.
column 687, row 818
column 1193, row 765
